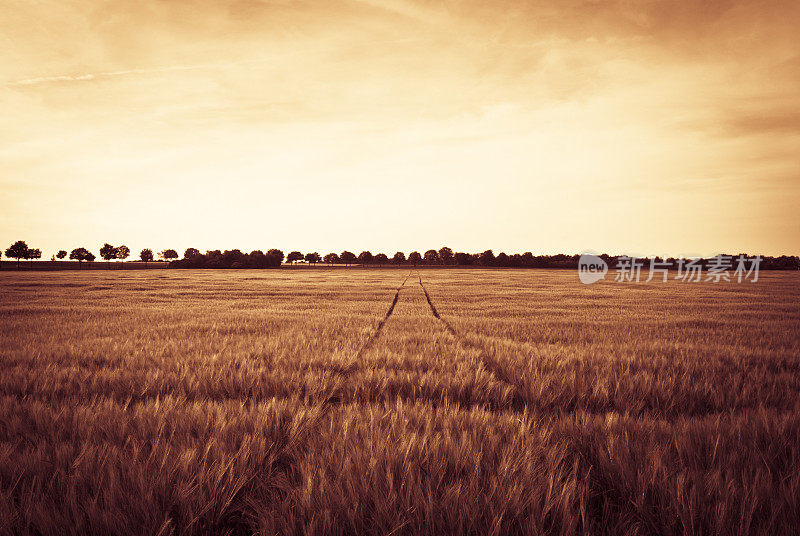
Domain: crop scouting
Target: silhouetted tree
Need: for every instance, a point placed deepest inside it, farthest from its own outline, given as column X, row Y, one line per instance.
column 463, row 259
column 276, row 253
column 502, row 259
column 123, row 252
column 169, row 254
column 233, row 258
column 446, row 255
column 365, row 257
column 215, row 259
column 313, row 258
column 61, row 254
column 399, row 257
column 80, row 255
column 331, row 258
column 191, row 253
column 18, row 250
column 527, row 259
column 256, row 259
column 347, row 257
column 381, row 259
column 34, row 254
column 486, row 258
column 414, row 257
column 294, row 256
column 432, row 256
column 274, row 258
column 108, row 252
column 146, row 255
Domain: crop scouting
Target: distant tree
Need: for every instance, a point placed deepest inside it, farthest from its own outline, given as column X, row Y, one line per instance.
column 463, row 259
column 527, row 259
column 123, row 252
column 34, row 254
column 432, row 256
column 168, row 254
column 191, row 253
column 234, row 258
column 446, row 255
column 502, row 259
column 61, row 254
column 399, row 258
column 486, row 258
column 276, row 253
column 108, row 252
column 294, row 256
column 80, row 255
column 381, row 259
column 18, row 250
column 348, row 257
column 414, row 257
column 365, row 257
column 256, row 259
column 331, row 258
column 214, row 259
column 231, row 257
column 146, row 255
column 274, row 258
column 313, row 258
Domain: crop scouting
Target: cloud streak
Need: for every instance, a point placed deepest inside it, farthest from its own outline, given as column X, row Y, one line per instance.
column 129, row 72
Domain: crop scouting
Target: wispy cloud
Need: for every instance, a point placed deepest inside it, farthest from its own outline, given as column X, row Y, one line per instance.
column 50, row 79
column 415, row 11
column 129, row 72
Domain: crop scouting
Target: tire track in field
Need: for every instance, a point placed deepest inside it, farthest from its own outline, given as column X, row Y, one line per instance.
column 518, row 401
column 447, row 324
column 376, row 334
column 333, row 398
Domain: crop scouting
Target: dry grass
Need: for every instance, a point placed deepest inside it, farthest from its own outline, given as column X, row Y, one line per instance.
column 248, row 402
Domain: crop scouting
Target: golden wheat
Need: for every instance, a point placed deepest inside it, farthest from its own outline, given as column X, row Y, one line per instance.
column 288, row 402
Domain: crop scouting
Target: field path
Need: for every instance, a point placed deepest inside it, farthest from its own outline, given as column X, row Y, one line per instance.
column 377, row 331
column 490, row 363
column 447, row 324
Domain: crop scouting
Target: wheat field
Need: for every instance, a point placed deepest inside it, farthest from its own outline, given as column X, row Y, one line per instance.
column 397, row 401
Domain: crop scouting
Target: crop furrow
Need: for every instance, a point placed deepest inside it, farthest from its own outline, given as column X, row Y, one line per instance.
column 519, row 401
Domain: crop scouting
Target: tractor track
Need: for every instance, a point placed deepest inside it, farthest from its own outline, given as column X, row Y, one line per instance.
column 446, row 324
column 377, row 332
column 518, row 401
column 333, row 399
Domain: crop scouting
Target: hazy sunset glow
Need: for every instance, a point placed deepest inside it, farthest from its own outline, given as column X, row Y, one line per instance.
column 639, row 127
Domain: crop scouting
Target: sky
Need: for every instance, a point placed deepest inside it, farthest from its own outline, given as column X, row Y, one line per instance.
column 639, row 127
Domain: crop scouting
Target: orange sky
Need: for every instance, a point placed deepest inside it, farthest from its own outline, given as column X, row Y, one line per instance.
column 638, row 127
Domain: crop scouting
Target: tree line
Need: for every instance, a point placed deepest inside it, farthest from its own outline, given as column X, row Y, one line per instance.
column 20, row 250
column 274, row 258
column 442, row 257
